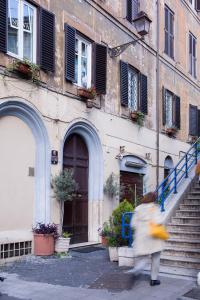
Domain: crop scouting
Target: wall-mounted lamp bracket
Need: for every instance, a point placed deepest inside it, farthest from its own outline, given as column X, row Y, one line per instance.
column 116, row 51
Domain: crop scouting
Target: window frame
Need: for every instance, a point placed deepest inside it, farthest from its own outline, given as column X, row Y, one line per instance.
column 173, row 110
column 168, row 33
column 20, row 54
column 89, row 61
column 131, row 68
column 192, row 58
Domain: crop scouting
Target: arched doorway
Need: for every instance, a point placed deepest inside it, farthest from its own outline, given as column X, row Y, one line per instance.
column 75, row 156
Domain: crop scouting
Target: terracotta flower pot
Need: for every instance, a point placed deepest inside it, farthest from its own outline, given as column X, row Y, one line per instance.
column 44, row 244
column 23, row 69
column 171, row 131
column 85, row 94
column 133, row 116
column 104, row 241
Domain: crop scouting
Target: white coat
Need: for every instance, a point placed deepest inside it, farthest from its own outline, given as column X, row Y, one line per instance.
column 143, row 242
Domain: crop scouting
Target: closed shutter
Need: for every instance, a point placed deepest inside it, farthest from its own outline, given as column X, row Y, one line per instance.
column 177, row 113
column 47, row 40
column 198, row 123
column 197, row 5
column 124, row 83
column 132, row 9
column 100, row 68
column 193, row 124
column 70, row 38
column 129, row 10
column 3, row 25
column 164, row 106
column 143, row 94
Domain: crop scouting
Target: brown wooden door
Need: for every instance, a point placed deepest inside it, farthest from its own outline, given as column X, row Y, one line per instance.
column 129, row 182
column 75, row 156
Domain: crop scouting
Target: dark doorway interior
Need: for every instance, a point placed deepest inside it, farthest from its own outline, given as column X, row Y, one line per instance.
column 131, row 186
column 75, row 156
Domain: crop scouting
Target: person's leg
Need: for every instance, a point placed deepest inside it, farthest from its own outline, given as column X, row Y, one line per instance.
column 139, row 264
column 155, row 265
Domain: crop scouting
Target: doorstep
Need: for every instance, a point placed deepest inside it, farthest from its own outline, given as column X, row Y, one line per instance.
column 83, row 245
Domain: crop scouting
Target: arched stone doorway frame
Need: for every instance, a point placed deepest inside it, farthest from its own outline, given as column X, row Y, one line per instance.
column 95, row 180
column 31, row 116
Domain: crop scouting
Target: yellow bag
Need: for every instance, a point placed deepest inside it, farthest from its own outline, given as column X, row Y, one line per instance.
column 158, row 231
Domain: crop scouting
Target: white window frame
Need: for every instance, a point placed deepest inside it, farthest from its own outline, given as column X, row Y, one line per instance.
column 192, row 3
column 130, row 104
column 21, row 31
column 89, row 61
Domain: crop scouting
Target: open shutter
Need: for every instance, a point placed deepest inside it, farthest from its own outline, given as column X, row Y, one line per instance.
column 197, row 5
column 129, row 15
column 143, row 94
column 100, row 70
column 124, row 83
column 164, row 106
column 193, row 124
column 177, row 113
column 3, row 25
column 47, row 40
column 70, row 38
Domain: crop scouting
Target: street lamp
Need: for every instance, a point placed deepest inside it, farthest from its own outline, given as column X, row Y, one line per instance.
column 142, row 24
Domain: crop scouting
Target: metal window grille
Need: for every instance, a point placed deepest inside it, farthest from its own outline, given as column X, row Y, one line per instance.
column 133, row 89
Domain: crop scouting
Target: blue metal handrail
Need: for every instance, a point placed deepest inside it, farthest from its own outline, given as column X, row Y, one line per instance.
column 167, row 186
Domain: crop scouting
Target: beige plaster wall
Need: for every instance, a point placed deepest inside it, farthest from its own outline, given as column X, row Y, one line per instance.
column 17, row 188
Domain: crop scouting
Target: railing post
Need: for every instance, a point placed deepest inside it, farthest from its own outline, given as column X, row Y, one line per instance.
column 196, row 153
column 175, row 181
column 163, row 197
column 186, row 166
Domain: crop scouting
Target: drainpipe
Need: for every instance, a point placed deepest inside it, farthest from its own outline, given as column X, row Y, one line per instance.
column 157, row 94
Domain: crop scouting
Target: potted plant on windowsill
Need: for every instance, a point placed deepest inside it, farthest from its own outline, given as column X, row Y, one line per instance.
column 44, row 238
column 88, row 95
column 62, row 243
column 137, row 116
column 25, row 69
column 171, row 131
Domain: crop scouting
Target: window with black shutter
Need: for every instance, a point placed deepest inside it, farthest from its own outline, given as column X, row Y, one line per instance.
column 132, row 9
column 134, row 88
column 100, row 68
column 70, row 39
column 197, row 5
column 171, row 109
column 193, row 120
column 169, row 32
column 3, row 25
column 192, row 54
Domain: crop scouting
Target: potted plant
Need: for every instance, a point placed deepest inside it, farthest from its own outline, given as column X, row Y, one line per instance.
column 62, row 243
column 44, row 238
column 88, row 95
column 25, row 68
column 111, row 187
column 137, row 116
column 171, row 131
column 65, row 189
column 104, row 232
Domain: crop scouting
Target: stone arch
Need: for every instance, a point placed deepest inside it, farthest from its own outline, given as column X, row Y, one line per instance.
column 95, row 180
column 29, row 115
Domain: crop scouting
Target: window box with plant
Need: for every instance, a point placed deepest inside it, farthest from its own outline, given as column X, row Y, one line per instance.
column 88, row 95
column 137, row 116
column 25, row 69
column 171, row 131
column 44, row 238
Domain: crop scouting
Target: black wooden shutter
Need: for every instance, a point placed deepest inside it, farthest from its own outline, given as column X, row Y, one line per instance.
column 197, row 5
column 47, row 40
column 3, row 25
column 70, row 39
column 143, row 94
column 198, row 123
column 193, row 124
column 178, row 112
column 100, row 70
column 164, row 106
column 124, row 83
column 129, row 15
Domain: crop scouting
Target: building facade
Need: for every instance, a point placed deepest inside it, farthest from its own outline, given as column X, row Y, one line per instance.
column 70, row 41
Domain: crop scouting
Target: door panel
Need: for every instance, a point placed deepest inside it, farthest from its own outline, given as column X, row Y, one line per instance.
column 131, row 184
column 75, row 156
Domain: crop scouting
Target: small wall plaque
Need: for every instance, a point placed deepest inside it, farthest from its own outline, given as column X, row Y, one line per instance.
column 54, row 157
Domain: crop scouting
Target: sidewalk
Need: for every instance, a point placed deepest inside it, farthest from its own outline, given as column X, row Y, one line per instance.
column 83, row 276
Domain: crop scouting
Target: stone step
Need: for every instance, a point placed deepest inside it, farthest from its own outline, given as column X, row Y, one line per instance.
column 184, row 234
column 181, row 227
column 191, row 201
column 186, row 220
column 176, row 261
column 182, row 252
column 192, row 273
column 183, row 243
column 188, row 213
column 194, row 192
column 190, row 207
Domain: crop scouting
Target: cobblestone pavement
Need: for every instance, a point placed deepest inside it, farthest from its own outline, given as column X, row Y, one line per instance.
column 83, row 276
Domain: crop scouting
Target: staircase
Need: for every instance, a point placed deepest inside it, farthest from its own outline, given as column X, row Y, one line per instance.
column 182, row 251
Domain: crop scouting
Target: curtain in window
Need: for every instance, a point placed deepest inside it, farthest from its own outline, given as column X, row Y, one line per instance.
column 13, row 26
column 133, row 90
column 168, row 106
